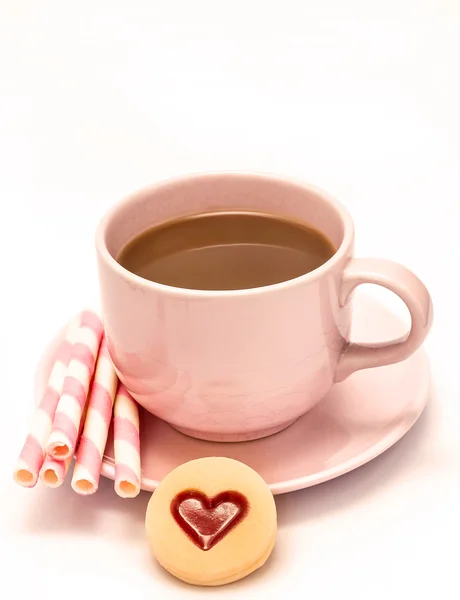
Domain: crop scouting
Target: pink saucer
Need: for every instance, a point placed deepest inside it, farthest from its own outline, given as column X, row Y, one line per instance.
column 358, row 420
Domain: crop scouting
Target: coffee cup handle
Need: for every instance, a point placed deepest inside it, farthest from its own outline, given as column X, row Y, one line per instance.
column 412, row 292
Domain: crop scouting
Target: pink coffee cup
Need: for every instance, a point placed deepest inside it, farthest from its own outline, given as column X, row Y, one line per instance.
column 240, row 365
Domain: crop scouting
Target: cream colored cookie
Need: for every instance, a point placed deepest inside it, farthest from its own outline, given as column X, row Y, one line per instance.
column 212, row 521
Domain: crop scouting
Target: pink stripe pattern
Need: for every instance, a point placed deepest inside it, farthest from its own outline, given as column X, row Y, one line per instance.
column 126, row 444
column 91, row 320
column 53, row 471
column 83, row 354
column 65, row 425
column 127, row 431
column 126, row 474
column 64, row 352
column 33, row 453
column 63, row 439
column 87, row 469
column 89, row 458
column 50, row 401
column 75, row 388
column 102, row 401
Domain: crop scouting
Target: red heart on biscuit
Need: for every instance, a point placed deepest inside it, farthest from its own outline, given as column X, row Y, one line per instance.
column 206, row 520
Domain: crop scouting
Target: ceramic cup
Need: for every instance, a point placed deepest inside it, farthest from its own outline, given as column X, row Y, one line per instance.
column 240, row 365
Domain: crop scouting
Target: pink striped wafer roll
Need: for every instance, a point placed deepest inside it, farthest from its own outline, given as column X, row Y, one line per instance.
column 87, row 469
column 54, row 471
column 126, row 444
column 64, row 436
column 34, row 449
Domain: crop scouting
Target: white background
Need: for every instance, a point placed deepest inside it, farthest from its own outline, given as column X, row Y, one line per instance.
column 362, row 98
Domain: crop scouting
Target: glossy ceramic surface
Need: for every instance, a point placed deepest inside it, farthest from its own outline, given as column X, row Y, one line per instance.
column 356, row 421
column 243, row 364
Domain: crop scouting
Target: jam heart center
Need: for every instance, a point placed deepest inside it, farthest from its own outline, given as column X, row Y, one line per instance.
column 206, row 520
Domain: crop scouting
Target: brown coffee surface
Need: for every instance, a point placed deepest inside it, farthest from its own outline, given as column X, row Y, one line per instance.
column 226, row 251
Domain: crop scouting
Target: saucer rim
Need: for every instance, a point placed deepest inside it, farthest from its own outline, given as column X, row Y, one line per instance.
column 298, row 483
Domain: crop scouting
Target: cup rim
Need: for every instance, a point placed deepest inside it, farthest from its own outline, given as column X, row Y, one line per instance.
column 314, row 275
